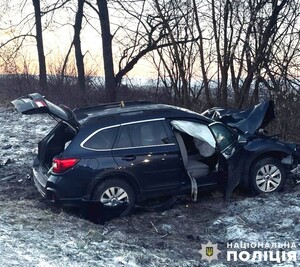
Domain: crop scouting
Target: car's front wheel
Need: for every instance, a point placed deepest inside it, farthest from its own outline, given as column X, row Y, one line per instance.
column 115, row 192
column 267, row 175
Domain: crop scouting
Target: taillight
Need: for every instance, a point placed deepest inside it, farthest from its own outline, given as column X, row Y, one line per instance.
column 62, row 165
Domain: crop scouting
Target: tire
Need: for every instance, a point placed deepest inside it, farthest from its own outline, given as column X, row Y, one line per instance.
column 114, row 193
column 267, row 175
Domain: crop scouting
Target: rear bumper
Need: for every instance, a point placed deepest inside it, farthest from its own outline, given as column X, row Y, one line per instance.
column 40, row 180
column 47, row 186
column 53, row 196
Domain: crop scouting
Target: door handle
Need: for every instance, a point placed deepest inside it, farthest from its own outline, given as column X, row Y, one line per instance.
column 129, row 158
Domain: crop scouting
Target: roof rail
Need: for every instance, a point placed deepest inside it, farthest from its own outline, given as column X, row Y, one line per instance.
column 113, row 105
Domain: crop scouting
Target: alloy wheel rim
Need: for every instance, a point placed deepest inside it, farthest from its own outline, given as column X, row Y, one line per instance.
column 268, row 178
column 114, row 196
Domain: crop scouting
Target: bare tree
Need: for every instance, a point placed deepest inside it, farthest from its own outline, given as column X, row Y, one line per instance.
column 110, row 82
column 223, row 52
column 244, row 34
column 178, row 59
column 40, row 45
column 148, row 35
column 263, row 50
column 77, row 45
column 201, row 50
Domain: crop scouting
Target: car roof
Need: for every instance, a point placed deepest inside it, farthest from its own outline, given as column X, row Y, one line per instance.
column 122, row 112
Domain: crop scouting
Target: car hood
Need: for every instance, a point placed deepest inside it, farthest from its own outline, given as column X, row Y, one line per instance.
column 248, row 121
column 37, row 104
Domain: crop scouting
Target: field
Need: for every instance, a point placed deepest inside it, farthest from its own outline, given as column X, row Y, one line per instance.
column 35, row 233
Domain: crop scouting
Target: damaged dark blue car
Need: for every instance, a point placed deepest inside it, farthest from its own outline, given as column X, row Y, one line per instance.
column 120, row 154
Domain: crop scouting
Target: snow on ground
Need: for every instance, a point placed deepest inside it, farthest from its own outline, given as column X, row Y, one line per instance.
column 35, row 233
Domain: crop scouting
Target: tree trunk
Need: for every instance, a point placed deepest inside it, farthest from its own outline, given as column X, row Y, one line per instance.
column 202, row 53
column 179, row 62
column 261, row 54
column 110, row 82
column 77, row 45
column 40, row 46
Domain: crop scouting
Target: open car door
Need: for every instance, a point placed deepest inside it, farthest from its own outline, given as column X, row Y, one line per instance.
column 37, row 104
column 204, row 142
column 230, row 155
column 224, row 140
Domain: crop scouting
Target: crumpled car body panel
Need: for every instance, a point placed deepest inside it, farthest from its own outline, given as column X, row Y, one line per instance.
column 248, row 121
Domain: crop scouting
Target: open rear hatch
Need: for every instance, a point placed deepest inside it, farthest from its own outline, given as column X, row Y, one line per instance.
column 56, row 141
column 36, row 104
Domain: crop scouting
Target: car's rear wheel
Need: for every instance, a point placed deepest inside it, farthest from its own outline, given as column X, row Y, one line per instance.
column 115, row 192
column 267, row 175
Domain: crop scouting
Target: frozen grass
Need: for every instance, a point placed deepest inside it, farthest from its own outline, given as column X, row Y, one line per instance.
column 34, row 233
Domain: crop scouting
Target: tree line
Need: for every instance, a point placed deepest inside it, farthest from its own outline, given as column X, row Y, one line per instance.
column 221, row 52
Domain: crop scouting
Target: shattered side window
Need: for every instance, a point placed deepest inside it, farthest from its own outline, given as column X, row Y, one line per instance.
column 224, row 136
column 194, row 129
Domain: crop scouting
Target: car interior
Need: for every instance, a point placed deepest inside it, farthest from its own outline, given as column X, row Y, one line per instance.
column 197, row 158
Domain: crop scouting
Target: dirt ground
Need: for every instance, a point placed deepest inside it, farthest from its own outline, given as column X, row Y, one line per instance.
column 35, row 233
